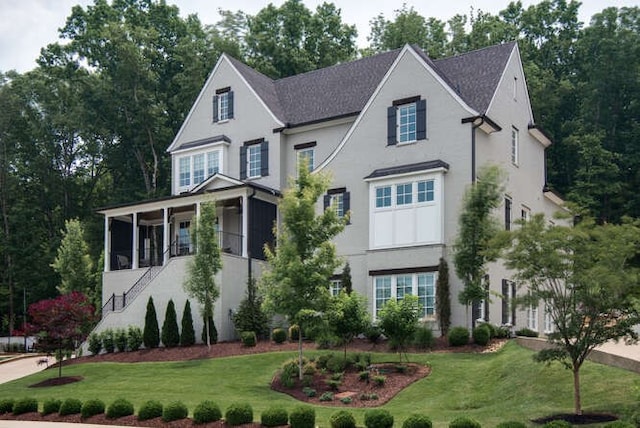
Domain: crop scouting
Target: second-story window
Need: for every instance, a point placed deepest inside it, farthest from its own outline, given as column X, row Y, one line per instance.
column 407, row 121
column 198, row 168
column 223, row 105
column 339, row 200
column 185, row 171
column 254, row 159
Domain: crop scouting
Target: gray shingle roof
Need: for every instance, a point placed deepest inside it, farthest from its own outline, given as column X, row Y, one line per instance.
column 404, row 169
column 344, row 89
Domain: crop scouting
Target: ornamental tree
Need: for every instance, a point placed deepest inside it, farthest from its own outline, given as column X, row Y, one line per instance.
column 587, row 278
column 300, row 267
column 399, row 320
column 151, row 334
column 443, row 297
column 61, row 323
column 348, row 316
column 170, row 333
column 188, row 336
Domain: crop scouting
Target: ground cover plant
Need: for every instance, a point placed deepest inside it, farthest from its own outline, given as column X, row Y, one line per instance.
column 490, row 388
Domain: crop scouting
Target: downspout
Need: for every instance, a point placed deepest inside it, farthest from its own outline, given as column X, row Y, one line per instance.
column 246, row 209
column 474, row 125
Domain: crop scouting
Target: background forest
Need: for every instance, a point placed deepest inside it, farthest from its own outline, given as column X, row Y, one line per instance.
column 88, row 127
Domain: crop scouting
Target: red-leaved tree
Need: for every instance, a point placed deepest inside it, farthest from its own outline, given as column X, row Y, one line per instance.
column 61, row 323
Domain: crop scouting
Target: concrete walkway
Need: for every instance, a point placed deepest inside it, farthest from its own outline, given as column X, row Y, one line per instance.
column 21, row 366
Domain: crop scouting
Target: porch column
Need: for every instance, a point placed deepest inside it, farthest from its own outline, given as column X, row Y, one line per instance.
column 107, row 245
column 165, row 236
column 197, row 211
column 134, row 245
column 245, row 225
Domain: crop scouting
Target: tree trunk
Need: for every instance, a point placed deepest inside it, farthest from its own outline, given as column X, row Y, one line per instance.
column 576, row 390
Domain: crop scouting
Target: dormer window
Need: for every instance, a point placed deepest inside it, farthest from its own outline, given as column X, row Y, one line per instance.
column 407, row 121
column 193, row 169
column 223, row 105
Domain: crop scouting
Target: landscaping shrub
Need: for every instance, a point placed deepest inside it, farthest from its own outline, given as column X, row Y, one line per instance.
column 95, row 343
column 134, row 338
column 417, row 421
column 25, row 405
column 109, row 340
column 213, row 332
column 6, row 405
column 514, row 424
column 119, row 408
column 278, row 335
column 289, row 373
column 151, row 335
column 170, row 334
column 526, row 332
column 188, row 336
column 294, row 333
column 51, row 405
column 423, row 337
column 174, row 411
column 238, row 414
column 274, row 417
column 91, row 407
column 326, row 396
column 379, row 380
column 373, row 334
column 248, row 338
column 342, row 419
column 502, row 332
column 364, row 375
column 378, row 418
column 309, row 392
column 458, row 336
column 557, row 424
column 149, row 410
column 334, row 385
column 346, row 400
column 481, row 335
column 302, row 416
column 121, row 340
column 205, row 412
column 336, row 364
column 464, row 422
column 250, row 316
column 70, row 406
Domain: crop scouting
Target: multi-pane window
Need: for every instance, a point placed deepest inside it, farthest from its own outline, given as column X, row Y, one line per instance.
column 426, row 191
column 421, row 285
column 525, row 214
column 184, row 238
column 223, row 106
column 404, row 193
column 532, row 317
column 337, row 202
column 407, row 123
column 308, row 156
column 383, row 197
column 213, row 163
column 335, row 286
column 198, row 168
column 185, row 171
column 514, row 145
column 383, row 291
column 253, row 160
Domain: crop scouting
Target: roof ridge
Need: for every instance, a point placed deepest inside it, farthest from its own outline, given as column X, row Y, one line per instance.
column 476, row 51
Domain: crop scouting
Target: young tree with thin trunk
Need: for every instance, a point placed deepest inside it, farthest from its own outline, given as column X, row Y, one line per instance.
column 587, row 278
column 348, row 316
column 300, row 267
column 200, row 282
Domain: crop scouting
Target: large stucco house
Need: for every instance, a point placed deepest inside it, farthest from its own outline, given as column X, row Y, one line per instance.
column 403, row 137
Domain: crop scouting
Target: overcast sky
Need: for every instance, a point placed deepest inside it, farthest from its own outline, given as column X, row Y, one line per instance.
column 28, row 25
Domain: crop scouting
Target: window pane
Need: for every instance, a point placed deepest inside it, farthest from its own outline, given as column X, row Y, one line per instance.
column 253, row 159
column 223, row 106
column 407, row 123
column 425, row 191
column 198, row 169
column 404, row 286
column 383, row 197
column 185, row 171
column 308, row 155
column 184, row 238
column 213, row 162
column 404, row 193
column 336, row 286
column 383, row 291
column 426, row 294
column 337, row 202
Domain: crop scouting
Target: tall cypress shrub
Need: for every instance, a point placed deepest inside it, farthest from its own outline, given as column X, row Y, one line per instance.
column 443, row 298
column 188, row 336
column 170, row 333
column 151, row 334
column 213, row 332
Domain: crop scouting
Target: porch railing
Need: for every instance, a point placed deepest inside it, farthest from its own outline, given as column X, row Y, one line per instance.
column 117, row 302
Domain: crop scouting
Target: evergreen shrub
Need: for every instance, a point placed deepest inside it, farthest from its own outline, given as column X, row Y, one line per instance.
column 121, row 340
column 174, row 411
column 206, row 412
column 70, row 406
column 342, row 419
column 213, row 332
column 6, row 405
column 119, row 408
column 458, row 336
column 274, row 417
column 170, row 333
column 526, row 332
column 134, row 338
column 149, row 410
column 95, row 343
column 302, row 416
column 109, row 340
column 25, row 405
column 248, row 338
column 423, row 337
column 294, row 333
column 278, row 335
column 464, row 422
column 378, row 418
column 51, row 405
column 91, row 407
column 481, row 335
column 238, row 414
column 188, row 336
column 417, row 421
column 151, row 333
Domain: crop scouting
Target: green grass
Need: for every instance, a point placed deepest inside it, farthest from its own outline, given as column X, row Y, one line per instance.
column 491, row 388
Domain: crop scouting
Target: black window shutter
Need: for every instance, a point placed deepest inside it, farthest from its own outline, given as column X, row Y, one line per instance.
column 264, row 159
column 513, row 306
column 215, row 108
column 326, row 201
column 507, row 214
column 487, row 283
column 505, row 301
column 391, row 126
column 230, row 104
column 346, row 203
column 475, row 312
column 421, row 119
column 243, row 163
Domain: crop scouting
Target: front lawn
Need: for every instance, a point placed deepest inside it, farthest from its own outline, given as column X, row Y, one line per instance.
column 491, row 388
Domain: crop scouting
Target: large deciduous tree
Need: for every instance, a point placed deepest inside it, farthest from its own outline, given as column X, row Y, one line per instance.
column 200, row 282
column 587, row 278
column 61, row 323
column 301, row 265
column 476, row 227
column 73, row 263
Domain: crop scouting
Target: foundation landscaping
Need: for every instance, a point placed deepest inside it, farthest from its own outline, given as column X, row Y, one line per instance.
column 258, row 384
